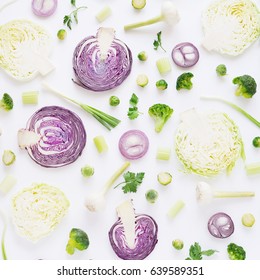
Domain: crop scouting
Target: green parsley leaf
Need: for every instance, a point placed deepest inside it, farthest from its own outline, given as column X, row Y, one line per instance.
column 133, row 112
column 134, row 100
column 132, row 181
column 73, row 2
column 158, row 43
column 195, row 252
column 67, row 20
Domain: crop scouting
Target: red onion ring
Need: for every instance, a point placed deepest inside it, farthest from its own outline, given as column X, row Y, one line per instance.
column 185, row 55
column 220, row 225
column 63, row 136
column 133, row 144
column 44, row 8
column 146, row 238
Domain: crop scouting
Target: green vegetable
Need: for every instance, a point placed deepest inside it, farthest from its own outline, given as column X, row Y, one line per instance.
column 252, row 168
column 177, row 244
column 132, row 181
column 184, row 81
column 246, row 86
column 138, row 4
column 8, row 157
column 133, row 112
column 7, row 183
column 3, row 237
column 6, row 102
column 163, row 153
column 256, row 142
column 161, row 84
column 142, row 80
column 114, row 101
column 164, row 178
column 87, row 171
column 78, row 239
column 158, row 43
column 164, row 65
column 195, row 252
column 100, row 143
column 234, row 106
column 221, row 70
column 62, row 34
column 160, row 113
column 151, row 196
column 106, row 120
column 175, row 209
column 248, row 220
column 103, row 14
column 68, row 19
column 142, row 56
column 30, row 97
column 236, row 252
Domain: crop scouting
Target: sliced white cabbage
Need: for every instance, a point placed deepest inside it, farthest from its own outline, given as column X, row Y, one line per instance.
column 37, row 210
column 207, row 143
column 230, row 26
column 24, row 49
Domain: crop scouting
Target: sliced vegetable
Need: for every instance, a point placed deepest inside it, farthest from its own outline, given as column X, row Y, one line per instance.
column 100, row 143
column 185, row 55
column 133, row 236
column 44, row 8
column 8, row 157
column 163, row 153
column 175, row 209
column 221, row 225
column 138, row 4
column 207, row 143
column 7, row 183
column 103, row 14
column 87, row 171
column 78, row 239
column 101, row 62
column 133, row 144
column 54, row 136
column 163, row 65
column 164, row 178
column 37, row 210
column 30, row 97
column 230, row 26
column 142, row 80
column 25, row 47
column 248, row 220
column 151, row 196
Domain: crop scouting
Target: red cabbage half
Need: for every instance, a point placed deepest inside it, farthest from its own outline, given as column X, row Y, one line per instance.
column 62, row 136
column 101, row 62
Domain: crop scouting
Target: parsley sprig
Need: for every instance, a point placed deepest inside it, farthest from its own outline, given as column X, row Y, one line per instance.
column 195, row 252
column 132, row 181
column 133, row 112
column 68, row 19
column 158, row 43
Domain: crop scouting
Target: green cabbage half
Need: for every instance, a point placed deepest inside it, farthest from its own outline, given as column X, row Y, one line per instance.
column 230, row 26
column 37, row 210
column 24, row 49
column 207, row 143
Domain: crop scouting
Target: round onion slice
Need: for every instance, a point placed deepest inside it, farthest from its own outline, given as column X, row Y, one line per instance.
column 101, row 64
column 220, row 225
column 185, row 55
column 146, row 238
column 133, row 144
column 63, row 136
column 44, row 8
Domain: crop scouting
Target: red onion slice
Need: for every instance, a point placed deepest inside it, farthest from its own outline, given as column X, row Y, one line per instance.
column 63, row 136
column 220, row 225
column 44, row 8
column 133, row 144
column 185, row 55
column 146, row 238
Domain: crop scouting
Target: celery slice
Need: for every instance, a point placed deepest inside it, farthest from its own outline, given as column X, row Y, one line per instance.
column 100, row 143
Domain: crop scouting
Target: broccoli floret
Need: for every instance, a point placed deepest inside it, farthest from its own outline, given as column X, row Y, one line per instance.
column 160, row 113
column 78, row 239
column 246, row 86
column 6, row 102
column 184, row 81
column 236, row 252
column 221, row 70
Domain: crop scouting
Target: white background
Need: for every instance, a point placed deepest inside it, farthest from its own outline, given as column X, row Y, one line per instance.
column 191, row 223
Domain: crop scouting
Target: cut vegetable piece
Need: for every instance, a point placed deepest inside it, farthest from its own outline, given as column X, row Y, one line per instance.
column 185, row 55
column 175, row 209
column 164, row 65
column 133, row 144
column 220, row 225
column 7, row 183
column 164, row 178
column 138, row 4
column 103, row 14
column 133, row 237
column 252, row 168
column 163, row 153
column 54, row 136
column 100, row 143
column 248, row 220
column 142, row 80
column 142, row 56
column 44, row 8
column 87, row 171
column 30, row 97
column 8, row 157
column 101, row 62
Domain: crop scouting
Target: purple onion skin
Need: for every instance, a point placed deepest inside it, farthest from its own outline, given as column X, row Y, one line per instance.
column 94, row 74
column 220, row 230
column 46, row 14
column 63, row 136
column 146, row 238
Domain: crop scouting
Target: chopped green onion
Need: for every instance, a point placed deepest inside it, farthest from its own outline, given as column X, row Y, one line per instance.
column 138, row 4
column 164, row 178
column 87, row 171
column 142, row 80
column 104, row 14
column 142, row 56
column 100, row 144
column 7, row 184
column 248, row 220
column 164, row 65
column 252, row 168
column 8, row 157
column 163, row 153
column 175, row 209
column 30, row 97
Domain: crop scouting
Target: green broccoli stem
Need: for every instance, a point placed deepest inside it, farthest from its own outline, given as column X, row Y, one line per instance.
column 234, row 106
column 143, row 23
